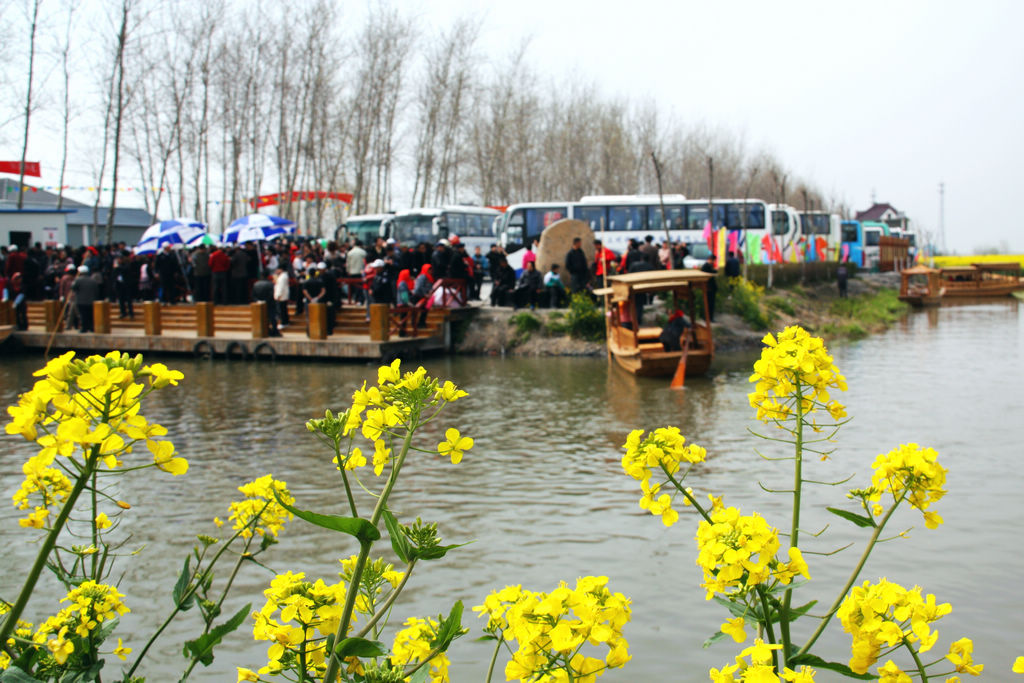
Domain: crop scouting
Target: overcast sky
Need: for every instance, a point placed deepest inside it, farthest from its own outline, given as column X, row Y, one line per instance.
column 861, row 98
column 870, row 97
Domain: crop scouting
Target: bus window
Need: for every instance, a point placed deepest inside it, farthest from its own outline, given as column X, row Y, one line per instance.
column 749, row 216
column 455, row 222
column 409, row 230
column 696, row 217
column 626, row 218
column 849, row 233
column 594, row 216
column 871, row 237
column 780, row 223
column 540, row 218
column 674, row 214
column 814, row 224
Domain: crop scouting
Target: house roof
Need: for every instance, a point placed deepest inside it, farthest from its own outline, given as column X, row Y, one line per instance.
column 80, row 214
column 34, row 197
column 875, row 212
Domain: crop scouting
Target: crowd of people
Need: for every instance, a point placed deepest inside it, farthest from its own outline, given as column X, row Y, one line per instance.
column 299, row 271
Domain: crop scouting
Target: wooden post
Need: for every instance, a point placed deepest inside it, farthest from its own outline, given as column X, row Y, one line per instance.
column 204, row 319
column 379, row 322
column 52, row 309
column 152, row 318
column 101, row 317
column 258, row 310
column 6, row 313
column 317, row 317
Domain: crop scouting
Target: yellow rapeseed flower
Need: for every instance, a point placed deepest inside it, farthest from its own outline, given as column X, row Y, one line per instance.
column 454, row 445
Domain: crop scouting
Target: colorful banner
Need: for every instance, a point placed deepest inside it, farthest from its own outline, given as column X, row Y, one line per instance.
column 31, row 168
column 297, row 196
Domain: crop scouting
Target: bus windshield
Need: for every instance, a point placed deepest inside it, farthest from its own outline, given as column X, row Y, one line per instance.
column 366, row 231
column 413, row 229
column 871, row 237
column 849, row 233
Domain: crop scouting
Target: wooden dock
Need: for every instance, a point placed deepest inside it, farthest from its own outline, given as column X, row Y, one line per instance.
column 238, row 331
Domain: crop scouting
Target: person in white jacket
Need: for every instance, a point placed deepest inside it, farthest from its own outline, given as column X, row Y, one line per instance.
column 281, row 292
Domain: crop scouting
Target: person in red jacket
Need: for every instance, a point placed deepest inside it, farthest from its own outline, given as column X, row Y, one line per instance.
column 220, row 265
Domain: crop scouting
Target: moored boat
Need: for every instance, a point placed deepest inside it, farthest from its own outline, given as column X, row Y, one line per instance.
column 981, row 279
column 684, row 347
column 919, row 286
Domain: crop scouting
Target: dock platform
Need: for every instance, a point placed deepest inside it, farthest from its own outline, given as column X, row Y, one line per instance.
column 238, row 332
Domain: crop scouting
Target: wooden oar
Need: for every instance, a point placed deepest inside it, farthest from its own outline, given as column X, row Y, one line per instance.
column 679, row 378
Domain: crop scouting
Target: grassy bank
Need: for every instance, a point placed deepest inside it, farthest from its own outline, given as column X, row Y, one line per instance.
column 744, row 312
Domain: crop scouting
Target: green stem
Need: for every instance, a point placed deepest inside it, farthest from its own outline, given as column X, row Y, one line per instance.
column 331, row 672
column 794, row 530
column 494, row 658
column 386, row 605
column 853, row 577
column 48, row 543
column 196, row 580
column 693, row 501
column 917, row 661
column 768, row 626
column 216, row 608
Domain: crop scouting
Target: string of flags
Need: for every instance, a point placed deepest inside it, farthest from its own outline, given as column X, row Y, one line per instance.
column 263, row 200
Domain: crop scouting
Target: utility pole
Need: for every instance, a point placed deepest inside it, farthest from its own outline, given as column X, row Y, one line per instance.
column 942, row 215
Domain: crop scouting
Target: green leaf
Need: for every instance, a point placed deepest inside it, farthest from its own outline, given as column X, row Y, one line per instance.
column 181, row 586
column 15, row 675
column 202, row 647
column 360, row 647
column 859, row 520
column 740, row 609
column 819, row 663
column 421, row 675
column 399, row 543
column 713, row 639
column 449, row 629
column 358, row 527
column 435, row 553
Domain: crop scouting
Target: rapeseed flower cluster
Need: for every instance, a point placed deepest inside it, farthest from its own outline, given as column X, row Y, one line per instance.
column 86, row 410
column 90, row 604
column 913, row 472
column 796, row 366
column 297, row 618
column 413, row 645
column 760, row 668
column 664, row 449
column 552, row 628
column 389, row 410
column 375, row 576
column 259, row 511
column 886, row 613
column 737, row 553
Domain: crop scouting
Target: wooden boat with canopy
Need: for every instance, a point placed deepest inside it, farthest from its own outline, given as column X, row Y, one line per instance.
column 919, row 286
column 981, row 279
column 684, row 347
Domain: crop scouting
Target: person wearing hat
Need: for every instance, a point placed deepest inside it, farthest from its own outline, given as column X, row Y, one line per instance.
column 86, row 290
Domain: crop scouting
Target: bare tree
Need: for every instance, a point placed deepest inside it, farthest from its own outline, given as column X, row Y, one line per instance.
column 28, row 95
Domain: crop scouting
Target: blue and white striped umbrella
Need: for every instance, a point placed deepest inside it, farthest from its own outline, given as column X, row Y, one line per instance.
column 256, row 227
column 174, row 231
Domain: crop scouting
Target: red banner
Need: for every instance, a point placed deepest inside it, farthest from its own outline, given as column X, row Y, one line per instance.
column 297, row 196
column 31, row 168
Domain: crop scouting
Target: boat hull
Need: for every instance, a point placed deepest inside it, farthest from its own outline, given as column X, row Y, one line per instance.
column 661, row 363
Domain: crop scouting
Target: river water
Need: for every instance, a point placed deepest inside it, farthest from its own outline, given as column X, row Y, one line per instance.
column 543, row 498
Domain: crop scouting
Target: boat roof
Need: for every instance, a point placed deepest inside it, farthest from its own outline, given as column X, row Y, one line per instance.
column 919, row 270
column 625, row 285
column 1011, row 265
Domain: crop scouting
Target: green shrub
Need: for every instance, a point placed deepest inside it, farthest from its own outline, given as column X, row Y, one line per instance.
column 585, row 319
column 780, row 304
column 526, row 324
column 744, row 300
column 556, row 324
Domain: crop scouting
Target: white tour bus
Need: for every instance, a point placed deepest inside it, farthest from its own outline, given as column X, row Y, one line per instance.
column 815, row 224
column 620, row 218
column 474, row 226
